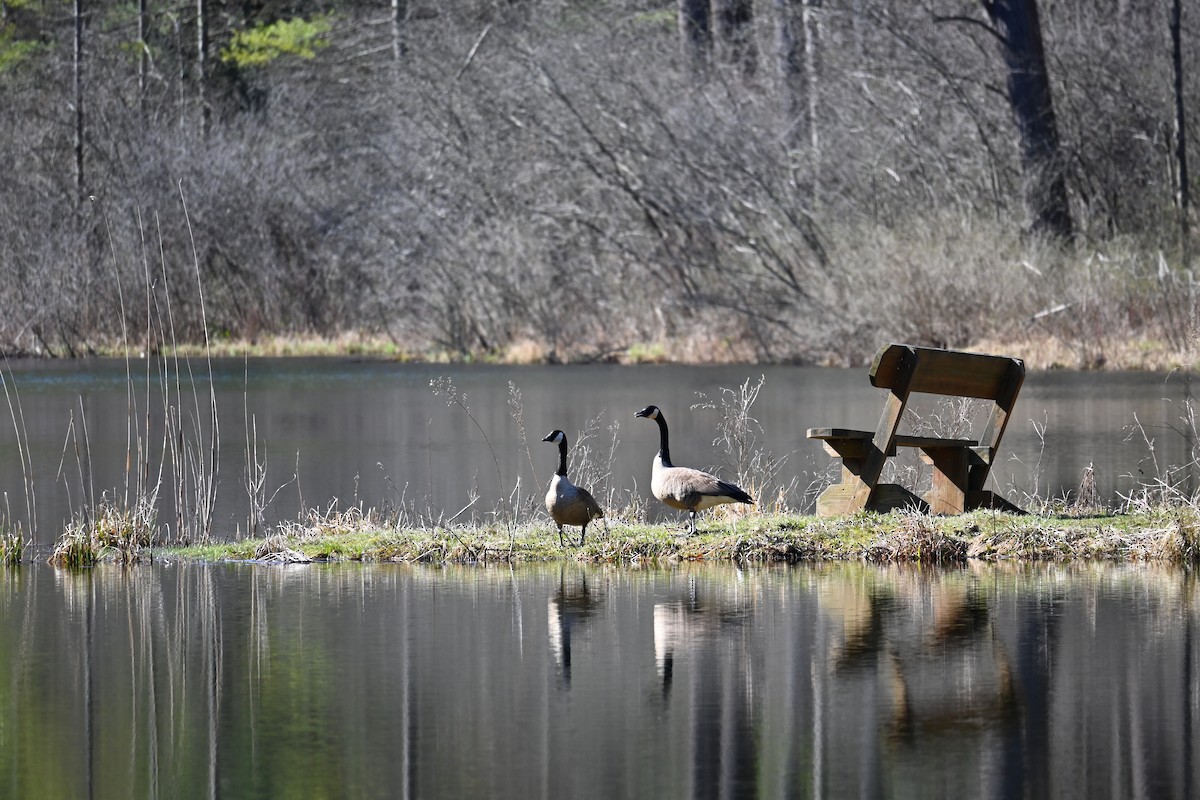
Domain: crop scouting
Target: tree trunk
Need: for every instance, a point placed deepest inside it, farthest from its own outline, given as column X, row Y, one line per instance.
column 788, row 55
column 1045, row 186
column 812, row 42
column 399, row 29
column 1183, row 193
column 797, row 44
column 202, row 64
column 695, row 37
column 142, row 60
column 77, row 91
column 735, row 30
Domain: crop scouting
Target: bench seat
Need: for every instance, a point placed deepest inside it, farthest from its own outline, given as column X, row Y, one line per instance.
column 901, row 440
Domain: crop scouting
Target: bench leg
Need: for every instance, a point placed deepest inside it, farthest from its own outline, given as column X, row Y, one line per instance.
column 948, row 495
column 839, row 498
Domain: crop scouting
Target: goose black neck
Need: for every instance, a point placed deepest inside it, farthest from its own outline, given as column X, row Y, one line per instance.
column 664, row 451
column 562, row 457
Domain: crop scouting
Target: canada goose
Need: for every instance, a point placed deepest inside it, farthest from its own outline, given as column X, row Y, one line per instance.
column 567, row 503
column 683, row 487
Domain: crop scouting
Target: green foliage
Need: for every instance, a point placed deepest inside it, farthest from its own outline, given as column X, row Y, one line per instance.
column 262, row 44
column 13, row 50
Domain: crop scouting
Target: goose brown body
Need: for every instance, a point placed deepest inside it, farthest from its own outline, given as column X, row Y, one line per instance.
column 685, row 488
column 567, row 503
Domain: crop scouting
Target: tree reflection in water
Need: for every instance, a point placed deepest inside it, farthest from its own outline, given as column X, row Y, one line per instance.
column 707, row 681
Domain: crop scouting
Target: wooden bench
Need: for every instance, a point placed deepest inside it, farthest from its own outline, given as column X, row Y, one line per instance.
column 960, row 466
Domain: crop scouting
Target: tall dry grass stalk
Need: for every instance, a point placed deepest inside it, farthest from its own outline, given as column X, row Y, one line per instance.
column 195, row 449
column 122, row 522
column 444, row 388
column 16, row 413
column 516, row 410
column 591, row 462
column 742, row 441
column 254, row 474
column 1168, row 485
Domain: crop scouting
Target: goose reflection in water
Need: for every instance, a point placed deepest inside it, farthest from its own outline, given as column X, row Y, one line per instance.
column 711, row 641
column 571, row 606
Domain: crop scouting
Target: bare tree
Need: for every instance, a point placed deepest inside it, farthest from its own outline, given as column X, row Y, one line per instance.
column 399, row 29
column 787, row 53
column 695, row 37
column 1183, row 198
column 1045, row 188
column 735, row 30
column 797, row 40
column 143, row 54
column 77, row 92
column 202, row 64
column 476, row 204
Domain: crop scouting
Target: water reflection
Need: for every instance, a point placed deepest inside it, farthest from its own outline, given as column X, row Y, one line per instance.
column 714, row 704
column 400, row 681
column 568, row 609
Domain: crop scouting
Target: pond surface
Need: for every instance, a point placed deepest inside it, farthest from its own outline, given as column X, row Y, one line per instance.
column 373, row 432
column 350, row 680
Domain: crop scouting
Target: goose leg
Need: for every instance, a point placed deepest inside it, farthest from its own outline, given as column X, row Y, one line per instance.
column 582, row 533
column 560, row 538
column 693, row 521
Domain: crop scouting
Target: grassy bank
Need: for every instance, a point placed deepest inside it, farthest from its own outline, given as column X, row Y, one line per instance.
column 1168, row 535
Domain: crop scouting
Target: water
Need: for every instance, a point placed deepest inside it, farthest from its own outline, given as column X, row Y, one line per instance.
column 353, row 680
column 373, row 432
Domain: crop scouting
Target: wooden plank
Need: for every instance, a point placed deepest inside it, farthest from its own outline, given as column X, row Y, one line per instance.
column 885, row 432
column 838, row 433
column 948, row 494
column 904, row 440
column 839, row 438
column 838, row 500
column 997, row 423
column 948, row 372
column 835, row 500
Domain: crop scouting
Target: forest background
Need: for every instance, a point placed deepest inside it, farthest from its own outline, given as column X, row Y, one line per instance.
column 782, row 180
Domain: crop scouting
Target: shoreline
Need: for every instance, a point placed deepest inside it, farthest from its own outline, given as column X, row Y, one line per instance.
column 1042, row 353
column 1166, row 535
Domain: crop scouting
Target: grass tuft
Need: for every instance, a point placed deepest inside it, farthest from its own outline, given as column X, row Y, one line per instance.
column 124, row 534
column 12, row 548
column 75, row 549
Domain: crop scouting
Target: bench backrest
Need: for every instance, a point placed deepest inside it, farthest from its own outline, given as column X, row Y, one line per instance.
column 947, row 372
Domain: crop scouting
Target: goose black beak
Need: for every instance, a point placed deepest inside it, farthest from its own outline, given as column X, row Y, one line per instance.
column 549, row 437
column 645, row 412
